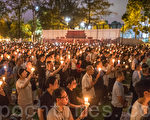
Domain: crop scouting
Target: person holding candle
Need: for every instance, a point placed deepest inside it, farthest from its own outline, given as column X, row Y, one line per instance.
column 88, row 84
column 3, row 100
column 60, row 111
column 24, row 91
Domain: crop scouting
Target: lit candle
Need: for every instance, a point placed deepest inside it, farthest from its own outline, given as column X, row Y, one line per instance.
column 32, row 69
column 5, row 67
column 99, row 69
column 53, row 68
column 68, row 56
column 118, row 61
column 126, row 66
column 1, row 83
column 8, row 57
column 61, row 58
column 113, row 60
column 86, row 102
column 61, row 61
column 1, row 56
column 4, row 78
column 123, row 62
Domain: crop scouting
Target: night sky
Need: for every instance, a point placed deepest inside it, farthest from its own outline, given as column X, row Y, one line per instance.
column 118, row 8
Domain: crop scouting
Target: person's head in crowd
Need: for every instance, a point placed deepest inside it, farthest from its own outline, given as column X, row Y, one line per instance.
column 104, row 62
column 19, row 61
column 138, row 66
column 22, row 73
column 29, row 65
column 88, row 58
column 60, row 97
column 145, row 68
column 52, row 83
column 71, row 82
column 42, row 57
column 120, row 76
column 48, row 58
column 90, row 70
column 142, row 89
column 49, row 65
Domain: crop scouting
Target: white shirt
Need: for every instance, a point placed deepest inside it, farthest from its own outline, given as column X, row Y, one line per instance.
column 86, row 82
column 118, row 90
column 55, row 114
column 138, row 110
column 24, row 94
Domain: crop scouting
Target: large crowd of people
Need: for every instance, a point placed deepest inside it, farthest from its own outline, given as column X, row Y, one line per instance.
column 64, row 80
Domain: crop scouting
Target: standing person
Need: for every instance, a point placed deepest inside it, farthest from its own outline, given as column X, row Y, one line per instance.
column 24, row 91
column 88, row 84
column 46, row 100
column 136, row 77
column 41, row 70
column 74, row 100
column 74, row 67
column 140, row 107
column 118, row 98
column 60, row 111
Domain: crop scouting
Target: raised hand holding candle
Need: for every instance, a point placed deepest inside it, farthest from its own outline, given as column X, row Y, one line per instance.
column 1, row 83
column 86, row 102
column 32, row 69
column 99, row 69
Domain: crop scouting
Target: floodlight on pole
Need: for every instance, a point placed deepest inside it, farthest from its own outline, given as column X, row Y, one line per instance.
column 89, row 27
column 67, row 19
column 82, row 24
column 37, row 8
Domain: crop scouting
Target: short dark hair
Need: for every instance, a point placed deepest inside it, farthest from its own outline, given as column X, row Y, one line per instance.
column 51, row 80
column 141, row 87
column 119, row 73
column 20, row 71
column 70, row 79
column 137, row 65
column 57, row 93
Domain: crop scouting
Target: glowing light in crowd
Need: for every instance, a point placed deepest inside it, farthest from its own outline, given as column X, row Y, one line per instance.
column 32, row 69
column 126, row 66
column 99, row 69
column 54, row 68
column 86, row 102
column 1, row 83
column 1, row 56
column 8, row 57
column 68, row 56
column 5, row 67
column 113, row 60
column 3, row 78
column 118, row 61
column 61, row 61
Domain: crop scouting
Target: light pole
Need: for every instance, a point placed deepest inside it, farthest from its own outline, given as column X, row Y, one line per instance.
column 82, row 25
column 67, row 19
column 35, row 9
